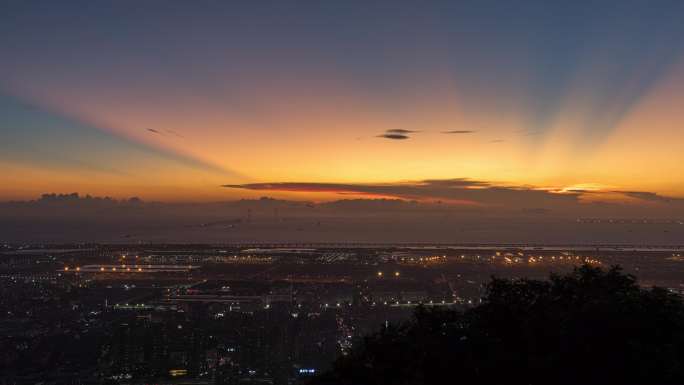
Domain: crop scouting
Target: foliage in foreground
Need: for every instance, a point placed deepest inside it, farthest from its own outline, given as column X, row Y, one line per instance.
column 588, row 327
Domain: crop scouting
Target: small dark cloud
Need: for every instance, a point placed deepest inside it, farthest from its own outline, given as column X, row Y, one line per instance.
column 400, row 131
column 497, row 141
column 397, row 134
column 458, row 132
column 394, row 136
column 152, row 130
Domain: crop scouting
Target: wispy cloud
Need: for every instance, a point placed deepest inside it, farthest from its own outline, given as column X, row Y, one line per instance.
column 456, row 132
column 174, row 133
column 459, row 190
column 477, row 194
column 648, row 196
column 394, row 136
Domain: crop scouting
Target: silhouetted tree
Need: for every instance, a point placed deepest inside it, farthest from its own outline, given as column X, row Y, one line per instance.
column 588, row 327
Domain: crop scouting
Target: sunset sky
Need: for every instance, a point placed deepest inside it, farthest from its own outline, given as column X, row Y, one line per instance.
column 170, row 101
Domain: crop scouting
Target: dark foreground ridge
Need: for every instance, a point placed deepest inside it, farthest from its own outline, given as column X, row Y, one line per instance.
column 590, row 326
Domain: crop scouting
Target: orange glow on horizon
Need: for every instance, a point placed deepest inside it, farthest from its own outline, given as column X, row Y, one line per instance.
column 328, row 133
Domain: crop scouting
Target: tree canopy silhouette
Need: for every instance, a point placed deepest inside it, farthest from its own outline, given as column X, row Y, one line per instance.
column 590, row 326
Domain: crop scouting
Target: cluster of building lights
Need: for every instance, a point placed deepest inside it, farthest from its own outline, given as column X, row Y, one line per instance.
column 123, row 268
column 516, row 258
column 382, row 274
column 424, row 260
column 103, row 269
column 538, row 259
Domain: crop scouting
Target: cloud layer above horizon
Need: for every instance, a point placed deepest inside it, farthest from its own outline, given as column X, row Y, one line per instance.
column 477, row 194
